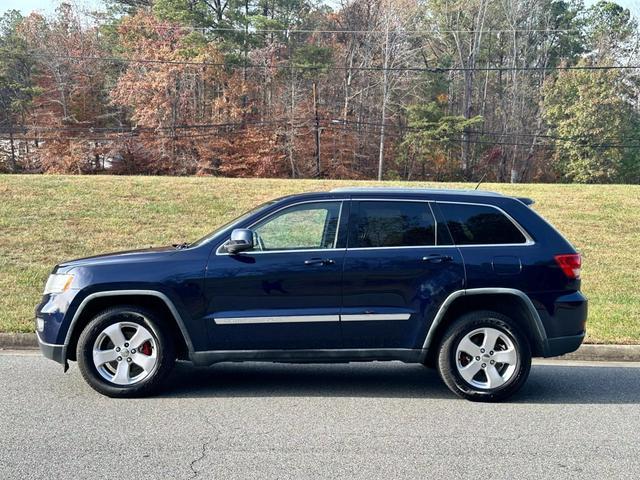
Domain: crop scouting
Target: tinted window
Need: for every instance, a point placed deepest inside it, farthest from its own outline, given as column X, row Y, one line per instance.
column 305, row 226
column 391, row 224
column 479, row 225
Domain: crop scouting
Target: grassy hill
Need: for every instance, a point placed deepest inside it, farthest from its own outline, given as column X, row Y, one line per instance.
column 47, row 219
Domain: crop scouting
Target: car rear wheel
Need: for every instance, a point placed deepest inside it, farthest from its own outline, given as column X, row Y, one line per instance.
column 125, row 352
column 484, row 357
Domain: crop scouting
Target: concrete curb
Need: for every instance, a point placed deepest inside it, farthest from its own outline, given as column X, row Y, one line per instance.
column 605, row 353
column 587, row 352
column 18, row 341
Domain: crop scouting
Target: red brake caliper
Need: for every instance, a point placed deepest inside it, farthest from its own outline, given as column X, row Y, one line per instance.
column 146, row 348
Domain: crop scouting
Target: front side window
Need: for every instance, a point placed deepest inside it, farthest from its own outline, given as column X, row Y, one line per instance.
column 479, row 225
column 391, row 224
column 300, row 227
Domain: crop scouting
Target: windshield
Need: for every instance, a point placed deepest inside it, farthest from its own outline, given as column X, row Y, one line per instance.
column 240, row 219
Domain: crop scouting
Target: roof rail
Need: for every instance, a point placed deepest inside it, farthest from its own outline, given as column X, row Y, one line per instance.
column 441, row 191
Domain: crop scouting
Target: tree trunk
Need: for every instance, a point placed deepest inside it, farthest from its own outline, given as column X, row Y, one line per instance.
column 317, row 128
column 467, row 112
column 245, row 47
column 468, row 60
column 290, row 130
column 347, row 89
column 385, row 94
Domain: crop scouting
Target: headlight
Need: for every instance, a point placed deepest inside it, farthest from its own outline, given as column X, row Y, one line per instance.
column 58, row 283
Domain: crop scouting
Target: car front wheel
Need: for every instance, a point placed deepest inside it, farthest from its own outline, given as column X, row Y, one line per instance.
column 484, row 357
column 125, row 352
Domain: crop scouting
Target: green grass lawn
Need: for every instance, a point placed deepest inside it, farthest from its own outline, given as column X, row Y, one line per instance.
column 47, row 219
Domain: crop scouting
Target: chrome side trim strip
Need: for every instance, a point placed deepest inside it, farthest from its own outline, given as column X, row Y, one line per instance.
column 115, row 293
column 541, row 333
column 278, row 319
column 360, row 317
column 369, row 317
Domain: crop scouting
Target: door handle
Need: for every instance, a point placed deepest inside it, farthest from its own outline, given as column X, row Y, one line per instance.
column 437, row 258
column 319, row 261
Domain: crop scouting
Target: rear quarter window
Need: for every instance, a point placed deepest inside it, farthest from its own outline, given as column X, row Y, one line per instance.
column 480, row 225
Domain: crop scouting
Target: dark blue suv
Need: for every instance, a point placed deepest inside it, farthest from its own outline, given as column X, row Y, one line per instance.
column 473, row 283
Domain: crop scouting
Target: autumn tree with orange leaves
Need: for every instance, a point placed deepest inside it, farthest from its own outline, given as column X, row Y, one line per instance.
column 73, row 98
column 405, row 89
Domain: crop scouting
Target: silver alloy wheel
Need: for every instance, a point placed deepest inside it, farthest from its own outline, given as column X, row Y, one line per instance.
column 125, row 353
column 486, row 358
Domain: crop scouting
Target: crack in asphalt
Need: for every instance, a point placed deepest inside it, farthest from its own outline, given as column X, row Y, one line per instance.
column 195, row 472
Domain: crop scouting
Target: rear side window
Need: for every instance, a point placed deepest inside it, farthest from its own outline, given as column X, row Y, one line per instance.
column 479, row 225
column 391, row 224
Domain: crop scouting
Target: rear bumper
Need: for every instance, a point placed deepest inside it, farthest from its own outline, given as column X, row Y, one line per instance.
column 565, row 324
column 561, row 345
column 52, row 351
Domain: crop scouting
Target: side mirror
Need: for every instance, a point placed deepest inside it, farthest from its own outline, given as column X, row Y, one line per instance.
column 241, row 240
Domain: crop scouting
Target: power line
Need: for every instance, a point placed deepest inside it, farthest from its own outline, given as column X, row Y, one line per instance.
column 288, row 122
column 133, row 133
column 342, row 126
column 288, row 65
column 519, row 144
column 294, row 30
column 142, row 129
column 578, row 140
column 277, row 121
column 575, row 139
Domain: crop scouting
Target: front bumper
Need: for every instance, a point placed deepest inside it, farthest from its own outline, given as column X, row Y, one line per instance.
column 52, row 351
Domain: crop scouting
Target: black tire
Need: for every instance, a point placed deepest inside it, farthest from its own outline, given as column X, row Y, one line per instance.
column 165, row 351
column 447, row 361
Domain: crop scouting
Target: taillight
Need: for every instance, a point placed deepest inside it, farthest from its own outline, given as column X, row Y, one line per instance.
column 570, row 264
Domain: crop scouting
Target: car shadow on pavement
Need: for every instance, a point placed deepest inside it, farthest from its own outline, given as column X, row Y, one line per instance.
column 555, row 384
column 388, row 379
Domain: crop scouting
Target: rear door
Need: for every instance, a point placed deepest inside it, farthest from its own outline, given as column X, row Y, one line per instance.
column 396, row 273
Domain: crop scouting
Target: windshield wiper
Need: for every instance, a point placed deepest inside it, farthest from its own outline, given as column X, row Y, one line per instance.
column 180, row 246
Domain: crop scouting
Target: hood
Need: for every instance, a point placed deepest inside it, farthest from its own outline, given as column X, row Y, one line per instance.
column 141, row 255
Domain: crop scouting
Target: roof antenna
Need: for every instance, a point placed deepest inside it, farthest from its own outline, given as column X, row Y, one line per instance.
column 485, row 174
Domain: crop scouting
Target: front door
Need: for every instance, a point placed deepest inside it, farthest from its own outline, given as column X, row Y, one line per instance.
column 395, row 275
column 285, row 293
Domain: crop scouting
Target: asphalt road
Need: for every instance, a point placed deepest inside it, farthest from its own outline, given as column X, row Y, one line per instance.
column 381, row 420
